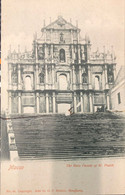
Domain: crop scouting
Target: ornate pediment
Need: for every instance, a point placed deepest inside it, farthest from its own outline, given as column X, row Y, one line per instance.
column 61, row 24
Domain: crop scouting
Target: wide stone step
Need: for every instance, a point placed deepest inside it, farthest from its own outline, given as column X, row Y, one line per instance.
column 58, row 136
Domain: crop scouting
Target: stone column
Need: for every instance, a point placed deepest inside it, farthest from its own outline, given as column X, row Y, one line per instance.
column 53, row 77
column 73, row 76
column 19, row 103
column 75, row 109
column 10, row 76
column 108, row 103
column 19, row 77
column 46, row 76
column 89, row 77
column 90, row 102
column 79, row 56
column 80, row 76
column 83, row 102
column 54, row 103
column 81, row 99
column 72, row 53
column 45, row 53
column 74, row 56
column 71, row 36
column 114, row 71
column 37, row 103
column 47, row 103
column 10, row 103
column 106, row 78
column 52, row 53
column 103, row 79
column 37, row 77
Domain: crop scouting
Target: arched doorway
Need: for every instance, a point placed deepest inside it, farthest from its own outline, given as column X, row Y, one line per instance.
column 97, row 81
column 62, row 82
column 28, row 83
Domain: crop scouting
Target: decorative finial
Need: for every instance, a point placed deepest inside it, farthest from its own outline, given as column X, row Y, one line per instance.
column 59, row 16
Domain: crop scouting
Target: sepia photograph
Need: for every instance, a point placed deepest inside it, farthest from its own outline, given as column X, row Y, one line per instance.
column 63, row 96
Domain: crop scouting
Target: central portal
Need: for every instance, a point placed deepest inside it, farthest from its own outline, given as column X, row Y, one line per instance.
column 62, row 82
column 63, row 108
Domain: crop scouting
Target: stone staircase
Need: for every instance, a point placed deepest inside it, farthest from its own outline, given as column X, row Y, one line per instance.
column 69, row 137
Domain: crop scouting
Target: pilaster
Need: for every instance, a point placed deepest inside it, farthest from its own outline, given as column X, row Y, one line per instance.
column 79, row 56
column 19, row 103
column 75, row 109
column 37, row 102
column 91, row 102
column 108, row 103
column 37, row 77
column 47, row 103
column 81, row 99
column 106, row 78
column 46, row 76
column 73, row 76
column 54, row 103
column 80, row 76
column 19, row 77
column 89, row 77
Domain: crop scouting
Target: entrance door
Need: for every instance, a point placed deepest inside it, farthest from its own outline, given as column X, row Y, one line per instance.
column 63, row 108
column 62, row 82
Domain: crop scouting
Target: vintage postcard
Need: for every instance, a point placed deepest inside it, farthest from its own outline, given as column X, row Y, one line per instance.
column 63, row 97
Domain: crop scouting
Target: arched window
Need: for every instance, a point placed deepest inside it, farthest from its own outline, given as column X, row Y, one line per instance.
column 41, row 77
column 97, row 82
column 62, row 55
column 62, row 82
column 84, row 78
column 28, row 83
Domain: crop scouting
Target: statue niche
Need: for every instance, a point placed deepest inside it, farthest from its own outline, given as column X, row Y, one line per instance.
column 84, row 78
column 41, row 77
column 62, row 38
column 62, row 55
column 41, row 53
column 85, row 75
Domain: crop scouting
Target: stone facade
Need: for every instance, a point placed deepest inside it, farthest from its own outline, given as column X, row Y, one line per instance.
column 60, row 72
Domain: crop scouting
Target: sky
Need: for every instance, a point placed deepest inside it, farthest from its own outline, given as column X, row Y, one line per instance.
column 102, row 20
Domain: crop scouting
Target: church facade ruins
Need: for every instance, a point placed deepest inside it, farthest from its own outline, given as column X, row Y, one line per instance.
column 59, row 73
